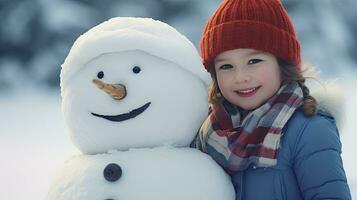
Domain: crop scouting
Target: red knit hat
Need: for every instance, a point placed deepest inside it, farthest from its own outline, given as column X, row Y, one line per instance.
column 256, row 24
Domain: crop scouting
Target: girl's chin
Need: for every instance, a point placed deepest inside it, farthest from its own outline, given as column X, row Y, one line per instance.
column 245, row 103
column 249, row 105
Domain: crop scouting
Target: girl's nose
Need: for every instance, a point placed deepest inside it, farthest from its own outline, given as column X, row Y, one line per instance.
column 242, row 76
column 116, row 91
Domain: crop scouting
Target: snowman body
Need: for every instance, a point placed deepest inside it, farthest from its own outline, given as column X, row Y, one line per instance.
column 159, row 173
column 134, row 96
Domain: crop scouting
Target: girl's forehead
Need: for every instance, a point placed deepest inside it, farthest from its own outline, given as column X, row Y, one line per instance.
column 236, row 53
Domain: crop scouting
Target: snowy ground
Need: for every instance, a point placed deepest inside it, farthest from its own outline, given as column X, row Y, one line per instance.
column 34, row 142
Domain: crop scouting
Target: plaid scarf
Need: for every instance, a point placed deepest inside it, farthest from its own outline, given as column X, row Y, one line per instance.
column 236, row 143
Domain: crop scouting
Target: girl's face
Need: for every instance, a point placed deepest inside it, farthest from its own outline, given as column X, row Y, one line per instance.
column 247, row 77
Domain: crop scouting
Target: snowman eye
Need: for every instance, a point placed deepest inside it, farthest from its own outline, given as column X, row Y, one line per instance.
column 100, row 74
column 136, row 69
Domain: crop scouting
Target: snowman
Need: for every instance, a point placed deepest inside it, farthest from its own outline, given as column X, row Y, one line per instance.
column 134, row 95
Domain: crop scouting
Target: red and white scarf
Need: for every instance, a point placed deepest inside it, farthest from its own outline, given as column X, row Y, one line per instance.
column 236, row 143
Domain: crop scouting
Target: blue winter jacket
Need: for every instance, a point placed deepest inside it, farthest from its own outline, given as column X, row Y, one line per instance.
column 309, row 164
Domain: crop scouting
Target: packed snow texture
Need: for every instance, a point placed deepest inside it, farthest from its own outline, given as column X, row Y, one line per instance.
column 126, row 88
column 130, row 33
column 177, row 101
column 171, row 81
column 159, row 173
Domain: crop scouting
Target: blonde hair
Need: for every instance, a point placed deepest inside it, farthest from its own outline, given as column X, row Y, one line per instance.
column 289, row 73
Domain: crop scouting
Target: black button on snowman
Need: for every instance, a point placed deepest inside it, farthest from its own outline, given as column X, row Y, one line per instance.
column 112, row 172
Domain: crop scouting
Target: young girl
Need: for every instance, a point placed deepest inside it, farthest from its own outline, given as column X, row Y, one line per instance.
column 264, row 128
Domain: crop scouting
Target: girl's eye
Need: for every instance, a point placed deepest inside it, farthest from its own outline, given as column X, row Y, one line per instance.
column 254, row 61
column 226, row 66
column 100, row 75
column 136, row 69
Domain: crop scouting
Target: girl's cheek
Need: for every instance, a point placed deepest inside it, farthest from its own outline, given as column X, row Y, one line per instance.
column 264, row 74
column 222, row 83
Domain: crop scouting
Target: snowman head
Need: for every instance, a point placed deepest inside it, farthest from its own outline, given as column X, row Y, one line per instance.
column 132, row 83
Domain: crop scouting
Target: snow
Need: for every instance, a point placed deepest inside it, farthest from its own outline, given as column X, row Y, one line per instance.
column 348, row 132
column 126, row 87
column 159, row 173
column 130, row 33
column 167, row 86
column 33, row 143
column 174, row 115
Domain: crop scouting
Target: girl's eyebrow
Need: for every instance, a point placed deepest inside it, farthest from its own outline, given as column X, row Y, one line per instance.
column 219, row 60
column 255, row 53
column 248, row 54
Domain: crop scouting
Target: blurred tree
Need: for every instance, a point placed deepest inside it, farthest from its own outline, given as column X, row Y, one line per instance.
column 36, row 35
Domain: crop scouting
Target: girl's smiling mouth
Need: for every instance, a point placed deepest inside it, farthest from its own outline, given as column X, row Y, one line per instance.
column 247, row 92
column 124, row 116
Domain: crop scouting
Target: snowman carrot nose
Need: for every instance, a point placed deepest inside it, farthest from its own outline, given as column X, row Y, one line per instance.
column 116, row 91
